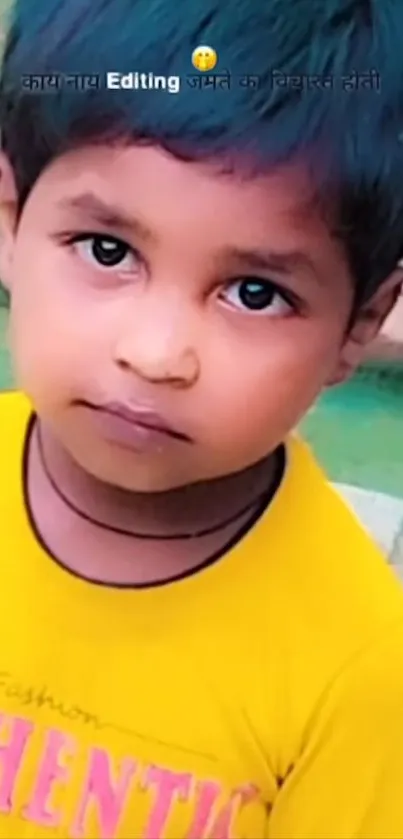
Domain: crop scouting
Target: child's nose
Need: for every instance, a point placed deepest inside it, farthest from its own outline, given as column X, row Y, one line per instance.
column 159, row 352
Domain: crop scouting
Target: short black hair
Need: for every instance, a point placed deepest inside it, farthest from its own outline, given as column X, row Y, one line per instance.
column 351, row 140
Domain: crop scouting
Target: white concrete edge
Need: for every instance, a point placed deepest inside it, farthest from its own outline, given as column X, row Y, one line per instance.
column 380, row 514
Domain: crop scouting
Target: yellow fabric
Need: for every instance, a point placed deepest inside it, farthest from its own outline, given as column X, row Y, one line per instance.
column 262, row 697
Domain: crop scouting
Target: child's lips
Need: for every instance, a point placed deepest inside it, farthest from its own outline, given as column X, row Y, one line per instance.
column 137, row 427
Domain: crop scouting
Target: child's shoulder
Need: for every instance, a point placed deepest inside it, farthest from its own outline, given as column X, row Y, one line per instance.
column 330, row 544
column 13, row 404
column 323, row 521
column 320, row 573
column 323, row 592
column 15, row 411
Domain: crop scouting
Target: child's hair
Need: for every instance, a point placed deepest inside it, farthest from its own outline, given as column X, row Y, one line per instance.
column 351, row 141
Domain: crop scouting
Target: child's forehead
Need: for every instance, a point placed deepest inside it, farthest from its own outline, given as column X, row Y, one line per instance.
column 128, row 175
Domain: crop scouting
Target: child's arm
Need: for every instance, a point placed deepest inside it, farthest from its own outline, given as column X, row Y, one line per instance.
column 348, row 782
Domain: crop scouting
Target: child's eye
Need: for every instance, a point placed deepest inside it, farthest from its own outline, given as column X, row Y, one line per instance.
column 105, row 251
column 258, row 296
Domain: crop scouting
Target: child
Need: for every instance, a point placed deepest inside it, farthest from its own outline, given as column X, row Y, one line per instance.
column 199, row 641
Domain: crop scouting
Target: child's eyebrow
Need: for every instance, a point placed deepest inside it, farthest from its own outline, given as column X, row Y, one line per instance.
column 283, row 262
column 105, row 214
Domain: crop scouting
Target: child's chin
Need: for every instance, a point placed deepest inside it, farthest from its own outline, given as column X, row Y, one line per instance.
column 142, row 478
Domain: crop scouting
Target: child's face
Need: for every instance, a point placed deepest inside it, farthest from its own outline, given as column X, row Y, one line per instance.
column 224, row 313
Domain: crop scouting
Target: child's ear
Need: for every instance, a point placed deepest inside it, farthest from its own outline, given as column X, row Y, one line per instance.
column 367, row 324
column 8, row 218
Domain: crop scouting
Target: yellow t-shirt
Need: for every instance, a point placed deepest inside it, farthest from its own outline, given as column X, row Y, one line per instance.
column 260, row 697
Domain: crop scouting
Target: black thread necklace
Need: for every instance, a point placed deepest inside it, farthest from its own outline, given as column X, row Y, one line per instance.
column 134, row 534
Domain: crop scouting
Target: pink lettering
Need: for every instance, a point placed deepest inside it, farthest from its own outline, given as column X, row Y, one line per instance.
column 208, row 792
column 11, row 756
column 223, row 826
column 110, row 798
column 170, row 787
column 51, row 770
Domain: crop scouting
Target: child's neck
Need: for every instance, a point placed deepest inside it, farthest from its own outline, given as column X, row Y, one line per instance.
column 116, row 536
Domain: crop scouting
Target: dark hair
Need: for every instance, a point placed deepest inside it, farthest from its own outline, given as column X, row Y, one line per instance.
column 351, row 141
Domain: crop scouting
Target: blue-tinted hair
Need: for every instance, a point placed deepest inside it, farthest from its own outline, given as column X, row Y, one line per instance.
column 351, row 141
